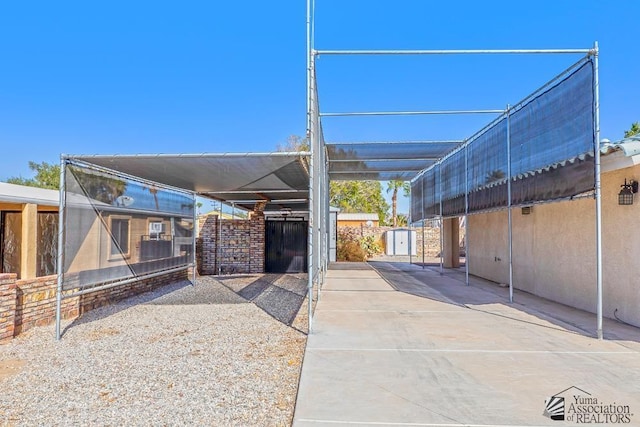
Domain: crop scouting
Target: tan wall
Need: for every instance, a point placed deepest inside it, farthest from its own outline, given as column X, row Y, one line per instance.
column 95, row 242
column 554, row 251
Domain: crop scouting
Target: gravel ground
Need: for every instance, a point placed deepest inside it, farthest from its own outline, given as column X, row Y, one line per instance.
column 181, row 355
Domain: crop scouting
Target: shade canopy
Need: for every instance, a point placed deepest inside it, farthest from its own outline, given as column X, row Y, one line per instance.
column 243, row 179
column 384, row 161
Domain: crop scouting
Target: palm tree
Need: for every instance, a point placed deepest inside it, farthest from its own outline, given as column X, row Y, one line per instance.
column 392, row 187
column 633, row 131
column 154, row 191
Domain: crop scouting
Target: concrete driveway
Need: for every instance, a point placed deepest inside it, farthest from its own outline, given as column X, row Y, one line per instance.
column 395, row 344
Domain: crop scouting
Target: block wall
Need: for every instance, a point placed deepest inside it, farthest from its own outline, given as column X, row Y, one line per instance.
column 7, row 305
column 32, row 302
column 231, row 245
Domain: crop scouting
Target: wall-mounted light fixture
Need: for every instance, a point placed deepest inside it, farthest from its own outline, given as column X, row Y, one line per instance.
column 285, row 213
column 625, row 196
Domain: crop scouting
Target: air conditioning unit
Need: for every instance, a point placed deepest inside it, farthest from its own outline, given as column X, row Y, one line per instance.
column 156, row 228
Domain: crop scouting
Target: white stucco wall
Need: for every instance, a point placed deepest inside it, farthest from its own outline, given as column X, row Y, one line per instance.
column 554, row 250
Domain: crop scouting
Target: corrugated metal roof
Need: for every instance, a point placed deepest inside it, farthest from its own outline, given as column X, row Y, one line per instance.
column 629, row 146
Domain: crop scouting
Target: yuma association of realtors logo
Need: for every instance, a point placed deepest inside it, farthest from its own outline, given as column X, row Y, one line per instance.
column 581, row 407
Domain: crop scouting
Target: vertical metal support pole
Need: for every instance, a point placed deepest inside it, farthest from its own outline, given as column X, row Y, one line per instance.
column 466, row 213
column 219, row 245
column 310, row 136
column 60, row 255
column 423, row 239
column 510, row 232
column 409, row 219
column 598, row 190
column 422, row 180
column 441, row 219
column 319, row 214
column 309, row 71
column 194, row 273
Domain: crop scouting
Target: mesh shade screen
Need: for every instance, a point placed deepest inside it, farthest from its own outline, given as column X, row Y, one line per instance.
column 430, row 192
column 552, row 140
column 488, row 168
column 552, row 144
column 453, row 184
column 416, row 194
column 116, row 228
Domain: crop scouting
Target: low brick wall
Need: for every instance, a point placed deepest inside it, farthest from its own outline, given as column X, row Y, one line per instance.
column 7, row 305
column 32, row 302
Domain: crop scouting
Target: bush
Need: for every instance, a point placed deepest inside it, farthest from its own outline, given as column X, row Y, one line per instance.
column 351, row 248
column 351, row 251
column 370, row 245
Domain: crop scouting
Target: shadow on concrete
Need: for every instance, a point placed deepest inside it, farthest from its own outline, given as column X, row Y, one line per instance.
column 483, row 295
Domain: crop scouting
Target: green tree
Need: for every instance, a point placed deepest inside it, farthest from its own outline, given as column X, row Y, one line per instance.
column 402, row 220
column 95, row 185
column 358, row 196
column 46, row 176
column 294, row 143
column 633, row 131
column 392, row 187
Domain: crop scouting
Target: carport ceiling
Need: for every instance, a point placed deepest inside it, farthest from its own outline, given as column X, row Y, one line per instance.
column 244, row 179
column 384, row 161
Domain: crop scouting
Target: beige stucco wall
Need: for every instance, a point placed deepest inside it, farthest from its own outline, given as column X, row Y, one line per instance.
column 554, row 251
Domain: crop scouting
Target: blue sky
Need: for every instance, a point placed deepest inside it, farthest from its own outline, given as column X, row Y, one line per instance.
column 203, row 76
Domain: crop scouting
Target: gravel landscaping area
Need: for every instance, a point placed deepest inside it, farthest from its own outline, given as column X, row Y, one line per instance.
column 222, row 352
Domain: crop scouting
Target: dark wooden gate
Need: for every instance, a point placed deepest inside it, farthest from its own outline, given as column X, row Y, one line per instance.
column 285, row 246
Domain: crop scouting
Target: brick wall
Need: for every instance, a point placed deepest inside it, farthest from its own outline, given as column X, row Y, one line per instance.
column 236, row 247
column 32, row 302
column 207, row 245
column 7, row 305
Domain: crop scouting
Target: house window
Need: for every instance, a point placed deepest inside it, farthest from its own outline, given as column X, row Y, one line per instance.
column 47, row 244
column 120, row 236
column 10, row 241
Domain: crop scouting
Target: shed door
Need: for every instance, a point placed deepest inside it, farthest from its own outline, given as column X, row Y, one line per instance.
column 285, row 246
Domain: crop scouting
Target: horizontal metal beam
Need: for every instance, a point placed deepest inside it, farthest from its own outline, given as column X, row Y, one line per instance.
column 454, row 141
column 455, row 52
column 267, row 201
column 378, row 171
column 292, row 201
column 410, row 113
column 85, row 157
column 412, row 159
column 213, row 193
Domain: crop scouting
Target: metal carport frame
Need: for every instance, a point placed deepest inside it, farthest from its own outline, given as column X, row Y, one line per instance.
column 279, row 180
column 331, row 163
